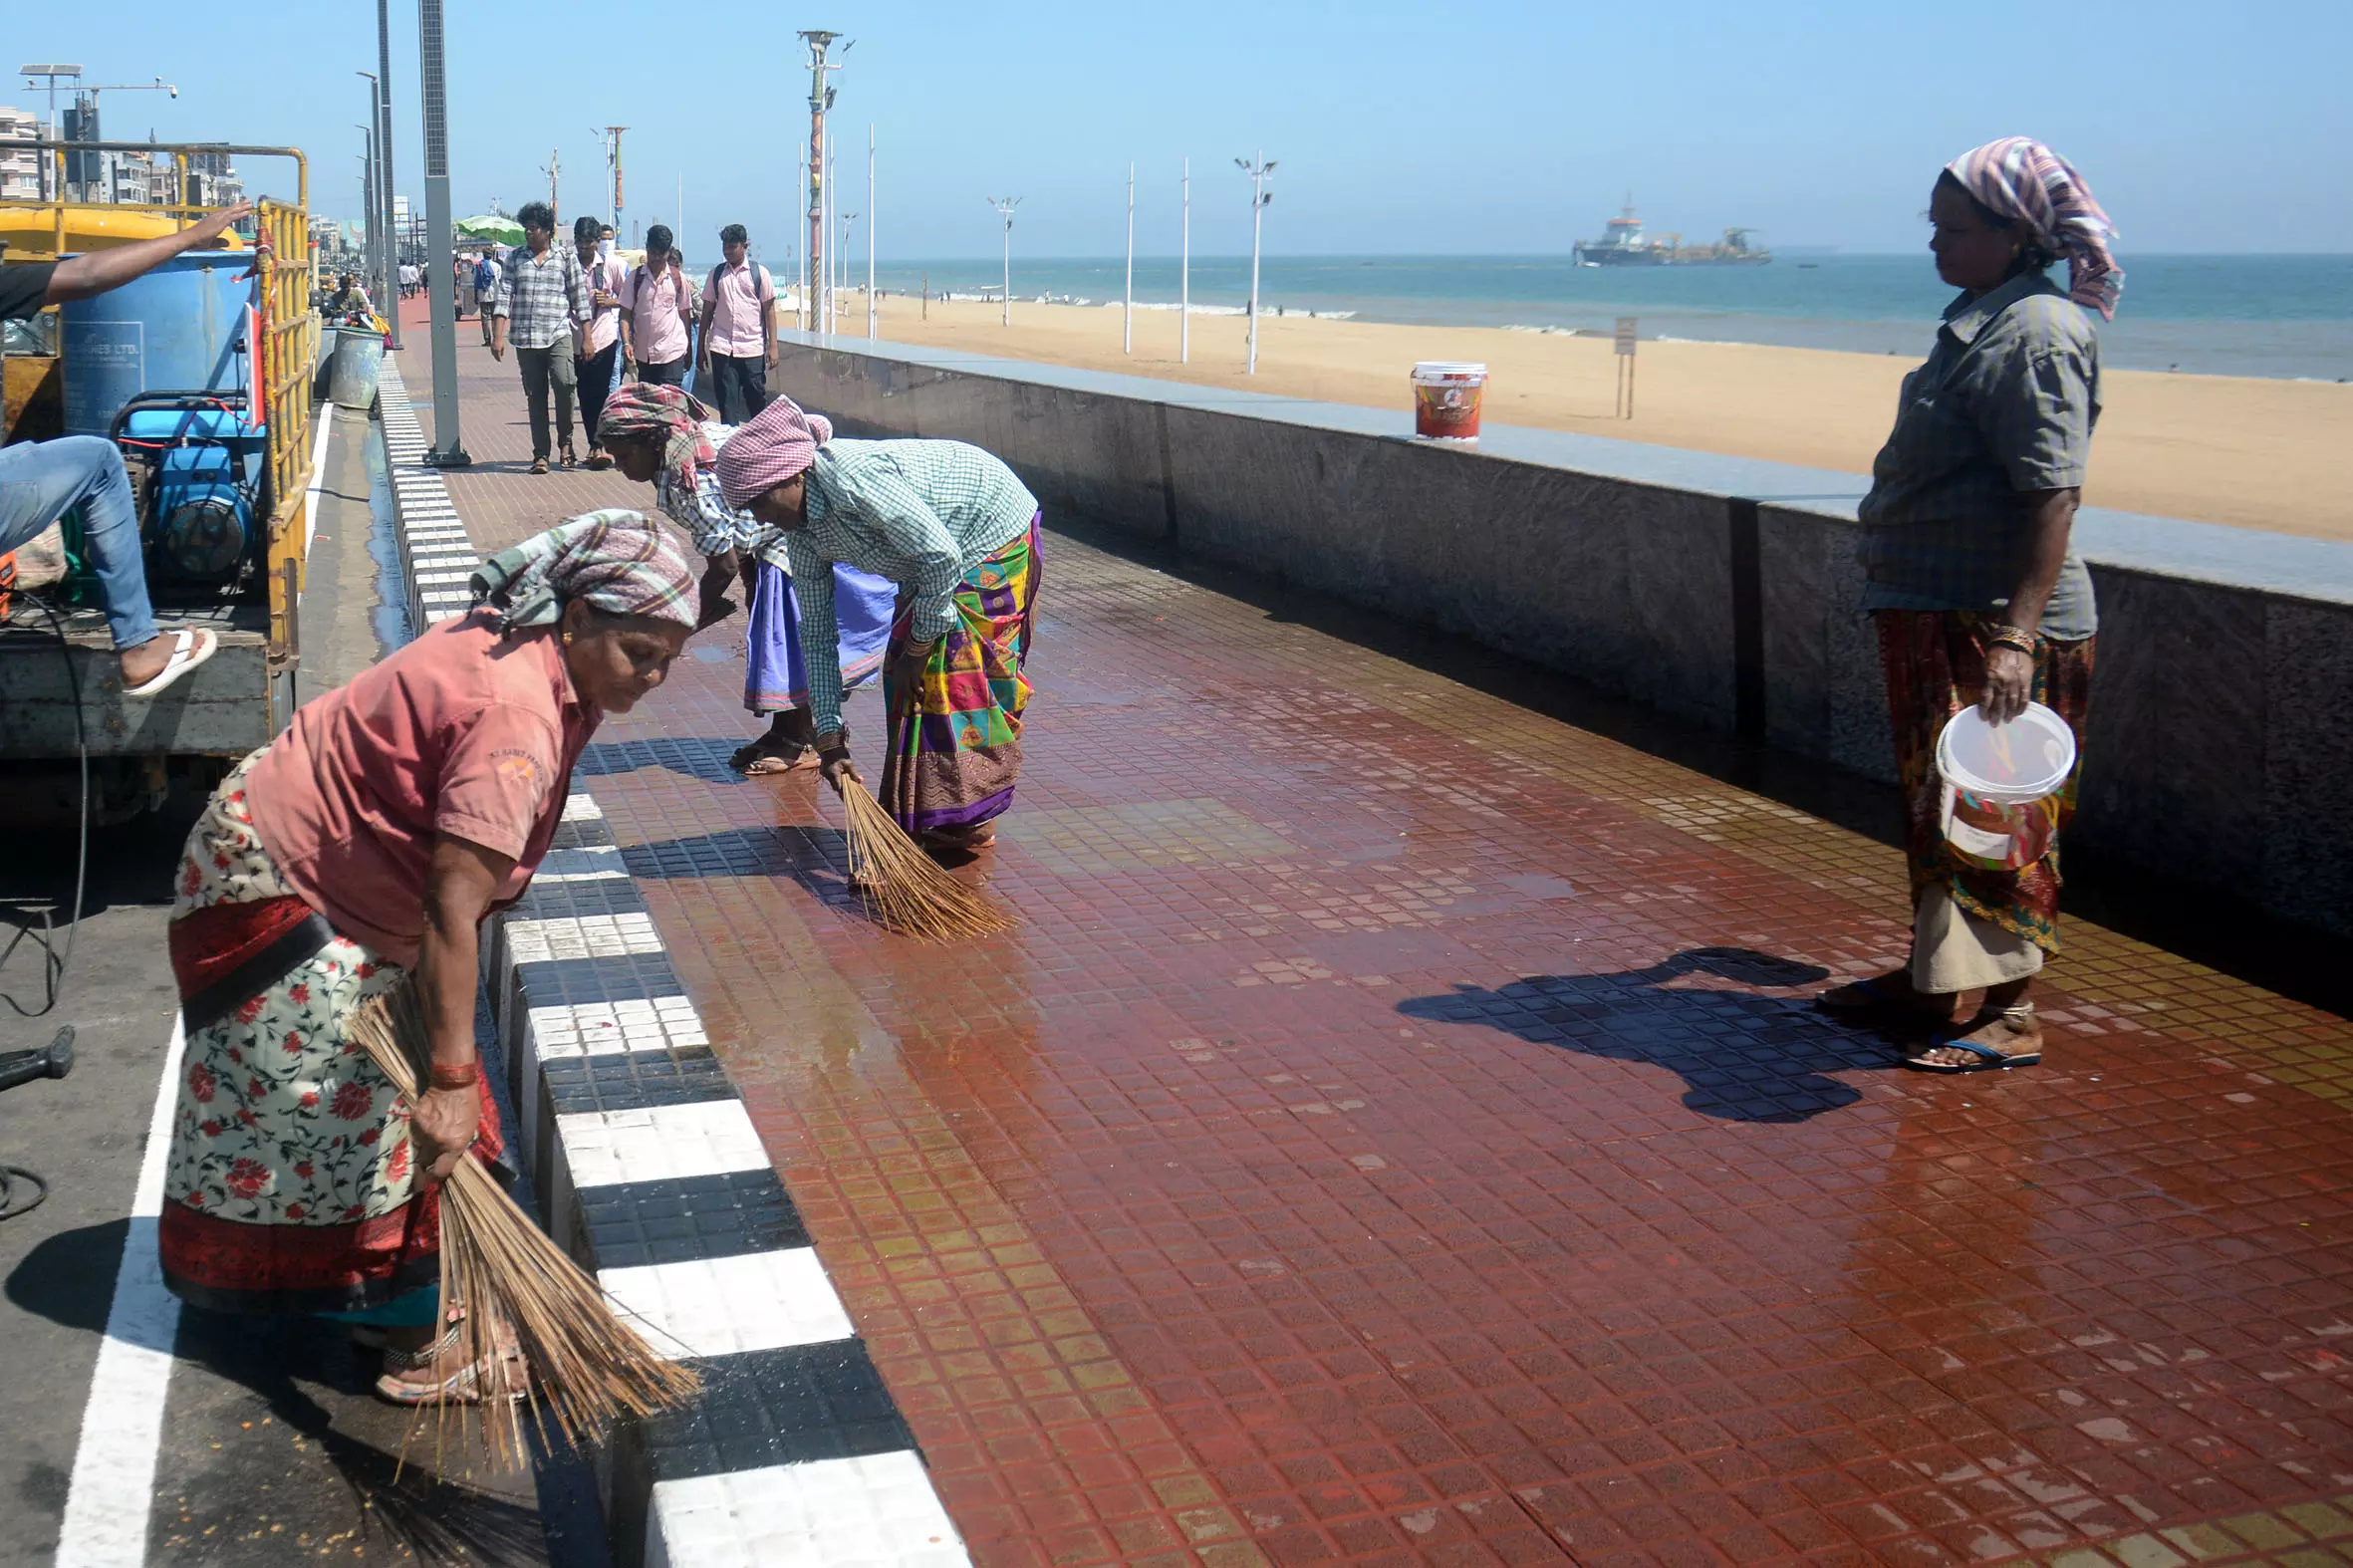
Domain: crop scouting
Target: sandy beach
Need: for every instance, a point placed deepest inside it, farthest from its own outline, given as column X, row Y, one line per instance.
column 2245, row 451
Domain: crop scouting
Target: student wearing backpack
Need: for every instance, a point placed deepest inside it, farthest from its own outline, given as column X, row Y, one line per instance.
column 657, row 311
column 486, row 273
column 739, row 329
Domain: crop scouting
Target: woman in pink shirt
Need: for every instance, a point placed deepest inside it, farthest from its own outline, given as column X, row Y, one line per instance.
column 362, row 847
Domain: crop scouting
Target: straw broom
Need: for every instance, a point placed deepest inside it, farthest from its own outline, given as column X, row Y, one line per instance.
column 590, row 1367
column 905, row 889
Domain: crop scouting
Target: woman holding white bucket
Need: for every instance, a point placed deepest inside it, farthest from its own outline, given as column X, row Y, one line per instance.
column 1977, row 598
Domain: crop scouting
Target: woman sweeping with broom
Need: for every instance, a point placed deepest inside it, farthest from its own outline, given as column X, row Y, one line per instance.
column 957, row 533
column 362, row 847
column 660, row 435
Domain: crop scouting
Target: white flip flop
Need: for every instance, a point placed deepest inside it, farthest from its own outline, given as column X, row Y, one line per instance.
column 195, row 645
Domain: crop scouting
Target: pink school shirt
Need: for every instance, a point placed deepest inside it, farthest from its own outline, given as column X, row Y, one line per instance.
column 463, row 731
column 604, row 327
column 737, row 296
column 654, row 304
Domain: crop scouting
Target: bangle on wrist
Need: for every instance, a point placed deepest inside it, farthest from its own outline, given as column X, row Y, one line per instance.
column 446, row 1077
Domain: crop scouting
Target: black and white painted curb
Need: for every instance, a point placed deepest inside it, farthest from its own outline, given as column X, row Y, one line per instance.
column 650, row 1175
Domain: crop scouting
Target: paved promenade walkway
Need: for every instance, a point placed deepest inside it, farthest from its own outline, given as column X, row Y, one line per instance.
column 1398, row 1134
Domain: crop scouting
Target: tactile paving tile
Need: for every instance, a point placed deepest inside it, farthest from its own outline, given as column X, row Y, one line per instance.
column 660, row 1142
column 656, row 1023
column 776, row 1407
column 634, row 1081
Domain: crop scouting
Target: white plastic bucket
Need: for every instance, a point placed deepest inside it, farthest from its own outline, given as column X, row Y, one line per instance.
column 1446, row 400
column 2000, row 781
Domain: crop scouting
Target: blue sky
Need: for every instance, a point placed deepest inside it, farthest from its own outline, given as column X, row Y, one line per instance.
column 1505, row 128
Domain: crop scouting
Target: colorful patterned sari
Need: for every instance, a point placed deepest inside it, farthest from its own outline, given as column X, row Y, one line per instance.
column 956, row 742
column 1935, row 664
column 774, row 678
column 291, row 1184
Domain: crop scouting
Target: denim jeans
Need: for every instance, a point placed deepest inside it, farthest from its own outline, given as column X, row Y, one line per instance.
column 595, row 374
column 40, row 481
column 739, row 386
column 542, row 368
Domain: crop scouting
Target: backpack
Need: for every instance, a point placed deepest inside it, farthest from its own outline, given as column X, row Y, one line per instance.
column 484, row 280
column 711, row 285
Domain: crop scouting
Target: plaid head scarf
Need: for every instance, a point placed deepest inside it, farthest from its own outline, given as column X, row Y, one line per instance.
column 2027, row 182
column 780, row 443
column 613, row 558
column 641, row 412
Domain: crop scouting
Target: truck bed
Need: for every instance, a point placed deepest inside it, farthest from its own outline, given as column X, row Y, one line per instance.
column 223, row 710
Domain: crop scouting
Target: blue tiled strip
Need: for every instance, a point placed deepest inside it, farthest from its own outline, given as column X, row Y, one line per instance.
column 652, row 1175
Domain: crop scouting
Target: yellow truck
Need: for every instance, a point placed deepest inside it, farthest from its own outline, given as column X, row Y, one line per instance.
column 202, row 371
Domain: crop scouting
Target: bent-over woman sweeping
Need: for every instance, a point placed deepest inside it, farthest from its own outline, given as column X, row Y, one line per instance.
column 368, row 841
column 1976, row 594
column 664, row 437
column 953, row 527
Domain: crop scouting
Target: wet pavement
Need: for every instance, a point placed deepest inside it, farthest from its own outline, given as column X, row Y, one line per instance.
column 1398, row 1133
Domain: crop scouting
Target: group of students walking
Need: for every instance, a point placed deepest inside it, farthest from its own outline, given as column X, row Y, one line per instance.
column 580, row 321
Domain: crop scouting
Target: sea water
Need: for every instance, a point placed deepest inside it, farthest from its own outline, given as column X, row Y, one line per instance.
column 2274, row 316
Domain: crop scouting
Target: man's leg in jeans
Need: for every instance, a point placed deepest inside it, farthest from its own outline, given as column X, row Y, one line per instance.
column 596, row 382
column 562, row 373
column 755, row 386
column 534, row 364
column 40, row 481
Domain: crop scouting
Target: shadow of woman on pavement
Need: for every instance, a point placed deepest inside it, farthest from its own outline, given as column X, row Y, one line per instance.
column 1742, row 1057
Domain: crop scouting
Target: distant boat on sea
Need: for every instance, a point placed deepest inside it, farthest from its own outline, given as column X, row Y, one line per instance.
column 1622, row 245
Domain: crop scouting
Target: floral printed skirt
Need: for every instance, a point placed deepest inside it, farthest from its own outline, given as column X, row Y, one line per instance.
column 291, row 1184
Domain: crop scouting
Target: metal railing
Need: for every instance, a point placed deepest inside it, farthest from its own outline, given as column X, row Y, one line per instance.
column 287, row 328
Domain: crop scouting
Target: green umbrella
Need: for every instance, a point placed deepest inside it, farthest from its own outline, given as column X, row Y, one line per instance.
column 491, row 226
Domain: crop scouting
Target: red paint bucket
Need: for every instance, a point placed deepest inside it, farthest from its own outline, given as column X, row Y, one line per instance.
column 1445, row 400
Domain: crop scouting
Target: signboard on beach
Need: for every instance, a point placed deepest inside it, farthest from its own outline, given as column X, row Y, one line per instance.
column 1624, row 408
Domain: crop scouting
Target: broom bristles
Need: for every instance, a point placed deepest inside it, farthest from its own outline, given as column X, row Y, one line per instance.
column 588, row 1368
column 906, row 889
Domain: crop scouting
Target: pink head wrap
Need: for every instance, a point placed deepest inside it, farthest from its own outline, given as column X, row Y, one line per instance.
column 2027, row 182
column 780, row 443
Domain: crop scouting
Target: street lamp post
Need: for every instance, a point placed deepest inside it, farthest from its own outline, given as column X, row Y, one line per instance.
column 1128, row 298
column 376, row 223
column 1259, row 198
column 432, row 102
column 1005, row 206
column 383, row 152
column 1184, row 278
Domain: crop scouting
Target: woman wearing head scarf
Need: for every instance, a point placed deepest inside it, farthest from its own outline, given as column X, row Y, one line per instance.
column 665, row 436
column 368, row 842
column 956, row 532
column 1976, row 594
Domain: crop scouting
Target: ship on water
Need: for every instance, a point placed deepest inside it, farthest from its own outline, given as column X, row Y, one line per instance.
column 1623, row 245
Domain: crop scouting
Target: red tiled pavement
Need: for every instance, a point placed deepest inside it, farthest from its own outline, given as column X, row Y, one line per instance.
column 1395, row 1136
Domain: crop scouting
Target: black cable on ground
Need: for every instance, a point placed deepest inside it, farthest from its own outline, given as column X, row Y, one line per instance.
column 55, row 966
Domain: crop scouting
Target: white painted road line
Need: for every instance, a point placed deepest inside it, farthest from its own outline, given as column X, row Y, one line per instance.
column 113, row 1484
column 310, row 497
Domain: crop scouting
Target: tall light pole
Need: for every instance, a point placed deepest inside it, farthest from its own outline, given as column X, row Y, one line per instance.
column 53, row 71
column 1005, row 206
column 440, row 281
column 843, row 223
column 807, row 313
column 873, row 312
column 611, row 135
column 1259, row 198
column 821, row 99
column 1184, row 278
column 384, row 146
column 377, row 224
column 369, row 241
column 1128, row 300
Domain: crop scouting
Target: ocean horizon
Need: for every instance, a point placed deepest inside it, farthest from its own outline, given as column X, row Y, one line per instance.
column 2286, row 316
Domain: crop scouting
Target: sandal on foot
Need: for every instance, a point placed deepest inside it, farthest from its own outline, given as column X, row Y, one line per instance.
column 1985, row 1058
column 539, row 465
column 565, row 456
column 463, row 1387
column 598, row 461
column 760, row 758
column 194, row 644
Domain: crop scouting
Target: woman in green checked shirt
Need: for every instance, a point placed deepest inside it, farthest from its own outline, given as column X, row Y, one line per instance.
column 959, row 533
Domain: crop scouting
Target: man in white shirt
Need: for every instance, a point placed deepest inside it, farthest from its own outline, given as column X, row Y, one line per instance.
column 739, row 329
column 600, row 346
column 657, row 309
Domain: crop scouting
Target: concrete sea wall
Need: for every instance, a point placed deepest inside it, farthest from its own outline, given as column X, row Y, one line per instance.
column 1723, row 590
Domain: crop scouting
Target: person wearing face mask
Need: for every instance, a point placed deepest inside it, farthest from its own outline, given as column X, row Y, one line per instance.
column 599, row 340
column 1977, row 597
column 361, row 849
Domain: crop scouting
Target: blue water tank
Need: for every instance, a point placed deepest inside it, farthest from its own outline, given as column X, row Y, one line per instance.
column 179, row 328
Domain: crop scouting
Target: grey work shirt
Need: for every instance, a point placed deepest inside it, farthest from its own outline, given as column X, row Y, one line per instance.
column 2004, row 405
